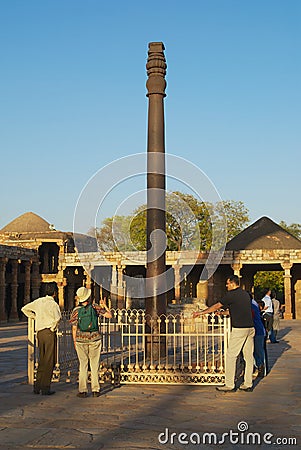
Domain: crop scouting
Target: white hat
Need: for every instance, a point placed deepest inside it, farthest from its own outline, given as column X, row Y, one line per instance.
column 83, row 294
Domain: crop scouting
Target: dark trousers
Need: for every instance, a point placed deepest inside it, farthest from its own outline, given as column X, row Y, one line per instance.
column 259, row 350
column 47, row 348
column 268, row 322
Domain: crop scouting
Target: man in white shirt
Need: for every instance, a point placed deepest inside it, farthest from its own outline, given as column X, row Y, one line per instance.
column 267, row 301
column 268, row 314
column 47, row 315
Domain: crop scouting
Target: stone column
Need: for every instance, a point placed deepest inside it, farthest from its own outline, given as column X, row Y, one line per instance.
column 61, row 298
column 96, row 292
column 71, row 296
column 114, row 276
column 120, row 287
column 297, row 289
column 114, row 288
column 88, row 282
column 35, row 280
column 14, row 289
column 236, row 267
column 27, row 265
column 177, row 274
column 202, row 290
column 100, row 292
column 3, row 262
column 210, row 284
column 61, row 253
column 45, row 259
column 287, row 289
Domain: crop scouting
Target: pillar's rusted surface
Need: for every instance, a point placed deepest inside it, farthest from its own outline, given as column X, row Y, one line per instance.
column 156, row 242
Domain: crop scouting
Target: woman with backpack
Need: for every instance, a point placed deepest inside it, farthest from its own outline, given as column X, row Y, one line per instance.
column 87, row 339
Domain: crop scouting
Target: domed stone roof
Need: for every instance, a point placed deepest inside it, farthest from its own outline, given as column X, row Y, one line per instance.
column 27, row 223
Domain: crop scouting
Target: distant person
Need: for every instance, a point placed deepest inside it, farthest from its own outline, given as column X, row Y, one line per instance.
column 277, row 313
column 241, row 337
column 259, row 339
column 282, row 310
column 261, row 306
column 87, row 339
column 268, row 314
column 46, row 313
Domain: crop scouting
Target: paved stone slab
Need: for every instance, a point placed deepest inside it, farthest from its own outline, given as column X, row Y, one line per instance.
column 132, row 417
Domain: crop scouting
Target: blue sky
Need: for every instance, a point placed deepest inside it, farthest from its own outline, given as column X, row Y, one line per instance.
column 73, row 98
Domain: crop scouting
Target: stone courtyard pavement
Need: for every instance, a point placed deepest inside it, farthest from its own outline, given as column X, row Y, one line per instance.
column 133, row 417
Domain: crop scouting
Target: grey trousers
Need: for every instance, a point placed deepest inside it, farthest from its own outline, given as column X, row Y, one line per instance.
column 88, row 353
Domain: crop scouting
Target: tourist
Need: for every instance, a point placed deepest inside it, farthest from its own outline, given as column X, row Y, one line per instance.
column 261, row 306
column 277, row 314
column 259, row 339
column 268, row 314
column 87, row 339
column 47, row 315
column 259, row 345
column 241, row 337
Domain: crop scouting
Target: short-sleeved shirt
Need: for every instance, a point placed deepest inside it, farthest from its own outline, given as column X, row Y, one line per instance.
column 268, row 303
column 239, row 304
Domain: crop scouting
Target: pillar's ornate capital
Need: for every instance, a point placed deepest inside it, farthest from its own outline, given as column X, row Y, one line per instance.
column 286, row 265
column 156, row 69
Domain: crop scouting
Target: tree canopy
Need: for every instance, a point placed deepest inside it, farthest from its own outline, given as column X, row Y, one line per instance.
column 293, row 228
column 268, row 279
column 189, row 224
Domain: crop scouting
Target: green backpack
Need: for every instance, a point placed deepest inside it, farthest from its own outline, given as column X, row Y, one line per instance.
column 87, row 319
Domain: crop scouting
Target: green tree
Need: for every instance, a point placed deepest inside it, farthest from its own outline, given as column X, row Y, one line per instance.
column 113, row 234
column 269, row 279
column 236, row 214
column 138, row 228
column 182, row 223
column 293, row 228
column 188, row 224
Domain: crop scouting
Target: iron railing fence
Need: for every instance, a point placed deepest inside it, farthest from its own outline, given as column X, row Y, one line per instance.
column 137, row 348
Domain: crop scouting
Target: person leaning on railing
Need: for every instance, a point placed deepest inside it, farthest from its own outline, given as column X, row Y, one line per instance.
column 46, row 313
column 241, row 337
